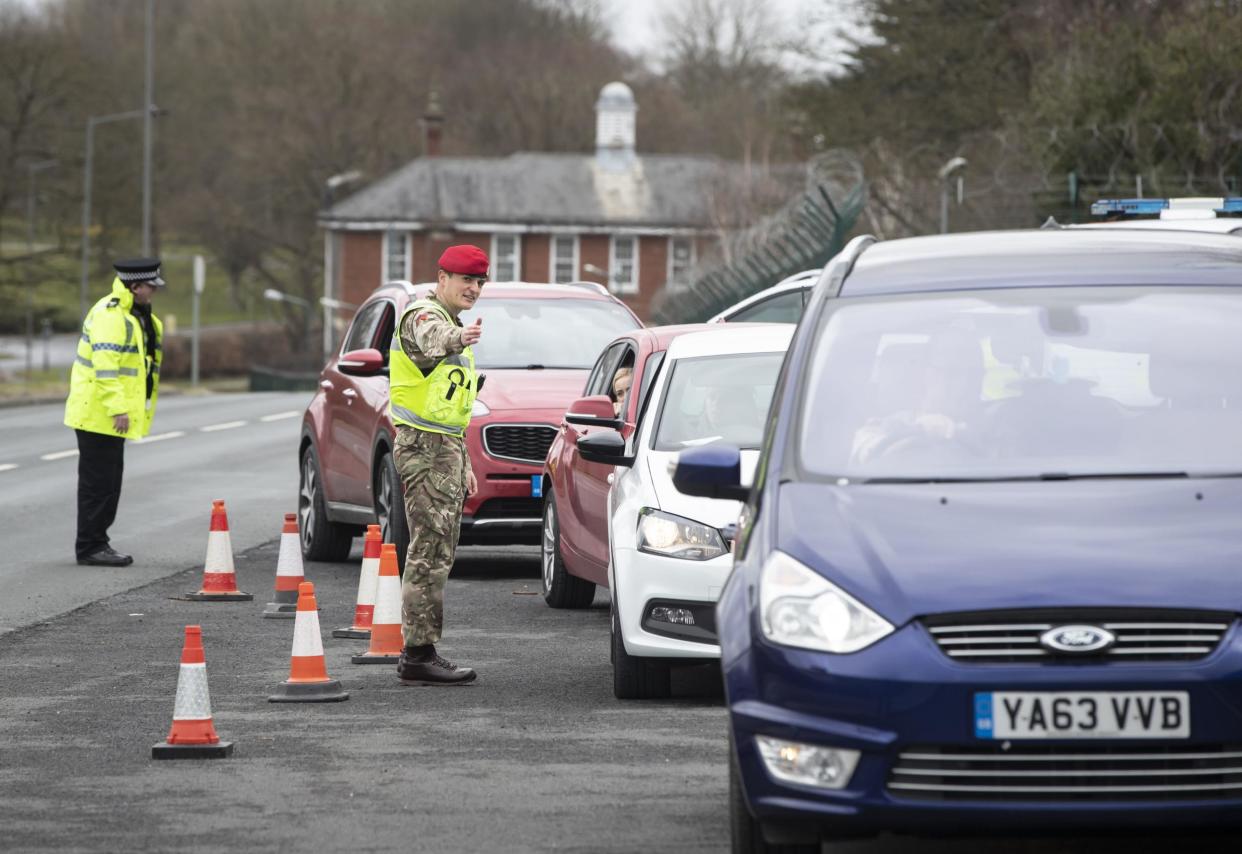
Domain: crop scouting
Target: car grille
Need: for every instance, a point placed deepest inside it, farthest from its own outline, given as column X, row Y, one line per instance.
column 1142, row 634
column 1076, row 773
column 510, row 508
column 526, row 443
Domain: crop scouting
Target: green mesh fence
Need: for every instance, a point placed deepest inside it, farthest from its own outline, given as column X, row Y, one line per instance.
column 804, row 233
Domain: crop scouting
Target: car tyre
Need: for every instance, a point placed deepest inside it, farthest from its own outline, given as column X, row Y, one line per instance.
column 560, row 589
column 322, row 539
column 745, row 830
column 390, row 507
column 635, row 678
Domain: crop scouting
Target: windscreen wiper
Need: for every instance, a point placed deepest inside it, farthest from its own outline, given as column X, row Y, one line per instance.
column 1046, row 476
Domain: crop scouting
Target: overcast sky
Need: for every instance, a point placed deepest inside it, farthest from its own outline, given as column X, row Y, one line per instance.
column 636, row 24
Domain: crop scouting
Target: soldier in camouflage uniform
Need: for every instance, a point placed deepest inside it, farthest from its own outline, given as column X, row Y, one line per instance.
column 433, row 386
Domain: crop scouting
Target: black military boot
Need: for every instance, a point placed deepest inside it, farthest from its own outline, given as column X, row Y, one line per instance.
column 420, row 665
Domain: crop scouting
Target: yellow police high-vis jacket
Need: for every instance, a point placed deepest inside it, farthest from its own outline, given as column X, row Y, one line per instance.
column 109, row 375
column 438, row 402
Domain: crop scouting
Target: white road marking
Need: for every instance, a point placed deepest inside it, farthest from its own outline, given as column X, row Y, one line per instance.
column 227, row 425
column 175, row 434
column 8, row 466
column 59, row 455
column 292, row 413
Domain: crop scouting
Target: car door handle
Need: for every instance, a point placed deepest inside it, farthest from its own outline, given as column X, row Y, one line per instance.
column 350, row 393
column 326, row 385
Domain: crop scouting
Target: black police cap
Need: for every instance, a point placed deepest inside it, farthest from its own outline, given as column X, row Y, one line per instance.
column 135, row 270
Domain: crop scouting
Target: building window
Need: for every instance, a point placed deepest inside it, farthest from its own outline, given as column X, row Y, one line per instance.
column 564, row 258
column 396, row 255
column 623, row 264
column 506, row 257
column 680, row 262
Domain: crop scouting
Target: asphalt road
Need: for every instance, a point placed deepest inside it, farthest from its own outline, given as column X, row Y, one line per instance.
column 239, row 447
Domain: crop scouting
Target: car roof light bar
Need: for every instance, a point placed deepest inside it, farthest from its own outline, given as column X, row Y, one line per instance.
column 1178, row 208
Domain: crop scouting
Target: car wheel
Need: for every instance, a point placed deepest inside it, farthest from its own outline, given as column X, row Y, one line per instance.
column 635, row 678
column 560, row 589
column 322, row 539
column 745, row 831
column 390, row 507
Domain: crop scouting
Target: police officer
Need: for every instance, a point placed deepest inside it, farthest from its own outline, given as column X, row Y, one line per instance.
column 112, row 391
column 433, row 385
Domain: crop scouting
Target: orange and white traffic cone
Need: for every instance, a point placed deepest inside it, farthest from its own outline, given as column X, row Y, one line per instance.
column 219, row 579
column 284, row 604
column 193, row 735
column 308, row 680
column 386, row 640
column 364, row 609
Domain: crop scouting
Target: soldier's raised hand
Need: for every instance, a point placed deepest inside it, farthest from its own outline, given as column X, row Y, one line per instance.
column 472, row 333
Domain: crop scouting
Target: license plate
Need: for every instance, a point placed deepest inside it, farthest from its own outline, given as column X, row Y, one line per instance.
column 1082, row 714
column 536, row 486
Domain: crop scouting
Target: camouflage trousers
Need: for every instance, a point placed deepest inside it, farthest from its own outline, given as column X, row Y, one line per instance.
column 433, row 471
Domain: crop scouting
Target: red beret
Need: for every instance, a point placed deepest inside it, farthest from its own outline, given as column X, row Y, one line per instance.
column 465, row 260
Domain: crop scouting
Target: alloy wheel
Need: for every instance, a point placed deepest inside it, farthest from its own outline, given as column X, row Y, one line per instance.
column 548, row 546
column 306, row 500
column 383, row 504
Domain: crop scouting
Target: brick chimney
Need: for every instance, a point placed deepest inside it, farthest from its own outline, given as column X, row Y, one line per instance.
column 433, row 125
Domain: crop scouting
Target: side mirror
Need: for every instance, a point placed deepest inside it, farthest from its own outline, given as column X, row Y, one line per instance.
column 594, row 411
column 607, row 448
column 710, row 471
column 361, row 363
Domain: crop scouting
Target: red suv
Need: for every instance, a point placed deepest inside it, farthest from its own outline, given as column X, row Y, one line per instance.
column 539, row 342
column 574, row 545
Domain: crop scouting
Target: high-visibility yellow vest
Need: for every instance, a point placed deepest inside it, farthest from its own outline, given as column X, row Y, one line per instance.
column 109, row 375
column 438, row 402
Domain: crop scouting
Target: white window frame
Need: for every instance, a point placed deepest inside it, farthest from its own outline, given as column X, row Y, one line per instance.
column 614, row 284
column 674, row 285
column 575, row 254
column 517, row 257
column 387, row 274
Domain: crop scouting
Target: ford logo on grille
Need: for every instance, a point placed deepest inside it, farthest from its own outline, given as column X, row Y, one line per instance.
column 1077, row 639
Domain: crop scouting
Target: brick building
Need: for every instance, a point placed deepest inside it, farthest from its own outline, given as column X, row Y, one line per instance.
column 633, row 222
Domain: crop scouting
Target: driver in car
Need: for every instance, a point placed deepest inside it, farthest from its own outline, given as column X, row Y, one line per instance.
column 943, row 408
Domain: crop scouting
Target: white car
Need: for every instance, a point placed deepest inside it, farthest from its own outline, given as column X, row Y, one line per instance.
column 781, row 303
column 670, row 552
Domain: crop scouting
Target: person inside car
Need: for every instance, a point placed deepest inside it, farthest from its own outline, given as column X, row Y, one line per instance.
column 621, row 389
column 945, row 408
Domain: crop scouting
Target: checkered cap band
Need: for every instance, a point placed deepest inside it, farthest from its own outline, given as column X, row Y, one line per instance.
column 143, row 276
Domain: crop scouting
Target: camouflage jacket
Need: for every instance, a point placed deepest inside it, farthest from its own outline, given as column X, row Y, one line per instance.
column 427, row 339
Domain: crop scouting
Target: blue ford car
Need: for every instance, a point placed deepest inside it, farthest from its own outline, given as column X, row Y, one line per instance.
column 989, row 571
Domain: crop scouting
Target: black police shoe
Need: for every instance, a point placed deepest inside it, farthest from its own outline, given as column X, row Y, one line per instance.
column 107, row 556
column 421, row 665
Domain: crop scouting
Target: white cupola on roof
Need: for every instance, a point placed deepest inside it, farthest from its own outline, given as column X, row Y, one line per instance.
column 614, row 118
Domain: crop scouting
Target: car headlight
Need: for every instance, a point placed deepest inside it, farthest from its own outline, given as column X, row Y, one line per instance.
column 799, row 607
column 673, row 536
column 479, row 408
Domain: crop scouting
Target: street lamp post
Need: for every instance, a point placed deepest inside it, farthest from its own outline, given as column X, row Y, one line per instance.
column 329, row 254
column 147, row 117
column 951, row 168
column 31, row 170
column 87, row 174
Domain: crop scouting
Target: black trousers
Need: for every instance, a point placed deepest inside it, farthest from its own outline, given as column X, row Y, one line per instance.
column 101, row 462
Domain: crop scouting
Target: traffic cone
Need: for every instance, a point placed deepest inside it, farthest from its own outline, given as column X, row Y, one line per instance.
column 308, row 680
column 386, row 640
column 364, row 610
column 193, row 735
column 284, row 604
column 219, row 580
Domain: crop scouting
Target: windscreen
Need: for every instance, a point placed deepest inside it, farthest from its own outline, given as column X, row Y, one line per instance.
column 548, row 333
column 717, row 399
column 1043, row 382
